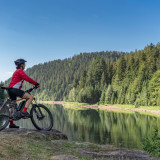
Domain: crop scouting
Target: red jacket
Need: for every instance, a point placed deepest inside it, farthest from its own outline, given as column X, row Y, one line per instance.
column 18, row 78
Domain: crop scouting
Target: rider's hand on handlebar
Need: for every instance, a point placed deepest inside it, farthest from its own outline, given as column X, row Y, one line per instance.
column 37, row 85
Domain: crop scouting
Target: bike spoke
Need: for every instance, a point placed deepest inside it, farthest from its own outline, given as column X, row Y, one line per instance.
column 42, row 118
column 4, row 117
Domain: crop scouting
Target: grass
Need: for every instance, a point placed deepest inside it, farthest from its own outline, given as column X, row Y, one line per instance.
column 151, row 107
column 18, row 147
column 22, row 147
column 132, row 106
column 76, row 103
column 133, row 112
column 118, row 105
column 123, row 107
column 75, row 108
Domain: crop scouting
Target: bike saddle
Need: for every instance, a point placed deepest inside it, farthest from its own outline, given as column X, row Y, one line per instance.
column 7, row 89
column 2, row 87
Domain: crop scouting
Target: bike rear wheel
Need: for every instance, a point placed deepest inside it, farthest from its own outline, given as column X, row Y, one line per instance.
column 41, row 118
column 4, row 117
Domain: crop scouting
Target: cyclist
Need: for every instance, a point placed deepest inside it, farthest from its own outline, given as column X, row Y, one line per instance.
column 15, row 88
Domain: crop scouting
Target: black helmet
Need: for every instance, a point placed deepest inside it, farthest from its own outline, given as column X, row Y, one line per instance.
column 18, row 62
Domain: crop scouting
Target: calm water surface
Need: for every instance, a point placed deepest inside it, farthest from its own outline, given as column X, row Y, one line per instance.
column 101, row 127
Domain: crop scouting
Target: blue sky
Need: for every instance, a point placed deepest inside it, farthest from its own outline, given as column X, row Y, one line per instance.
column 45, row 30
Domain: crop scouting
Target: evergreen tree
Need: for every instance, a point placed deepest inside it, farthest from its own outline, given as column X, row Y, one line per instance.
column 113, row 98
column 144, row 95
column 95, row 72
column 108, row 94
column 154, row 87
column 72, row 95
column 121, row 67
column 2, row 94
column 102, row 99
column 103, row 81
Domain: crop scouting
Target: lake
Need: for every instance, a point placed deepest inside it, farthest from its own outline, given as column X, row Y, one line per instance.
column 101, row 127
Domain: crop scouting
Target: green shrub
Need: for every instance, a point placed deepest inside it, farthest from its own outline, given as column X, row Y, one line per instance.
column 152, row 144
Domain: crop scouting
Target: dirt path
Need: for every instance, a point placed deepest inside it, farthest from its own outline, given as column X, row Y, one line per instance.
column 107, row 108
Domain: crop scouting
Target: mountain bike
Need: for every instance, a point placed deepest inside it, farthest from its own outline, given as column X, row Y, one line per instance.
column 40, row 115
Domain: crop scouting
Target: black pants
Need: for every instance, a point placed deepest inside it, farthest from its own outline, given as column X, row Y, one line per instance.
column 14, row 93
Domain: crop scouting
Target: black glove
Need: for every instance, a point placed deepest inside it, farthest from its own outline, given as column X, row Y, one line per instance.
column 37, row 85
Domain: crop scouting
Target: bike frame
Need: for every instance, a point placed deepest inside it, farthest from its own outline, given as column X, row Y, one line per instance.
column 35, row 113
column 9, row 101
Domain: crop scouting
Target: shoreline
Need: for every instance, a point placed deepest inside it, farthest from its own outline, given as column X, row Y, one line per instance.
column 105, row 107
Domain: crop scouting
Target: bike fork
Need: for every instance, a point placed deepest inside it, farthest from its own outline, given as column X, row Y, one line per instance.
column 39, row 114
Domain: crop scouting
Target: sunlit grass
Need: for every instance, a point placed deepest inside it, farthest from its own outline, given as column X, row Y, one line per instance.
column 118, row 105
column 123, row 108
column 132, row 106
column 76, row 103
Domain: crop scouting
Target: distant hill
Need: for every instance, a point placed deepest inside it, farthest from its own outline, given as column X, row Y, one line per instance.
column 103, row 77
column 133, row 79
column 57, row 77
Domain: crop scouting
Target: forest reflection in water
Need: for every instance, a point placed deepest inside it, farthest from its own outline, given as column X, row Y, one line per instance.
column 101, row 127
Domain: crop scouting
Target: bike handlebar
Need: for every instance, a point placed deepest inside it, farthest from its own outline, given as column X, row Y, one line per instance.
column 31, row 89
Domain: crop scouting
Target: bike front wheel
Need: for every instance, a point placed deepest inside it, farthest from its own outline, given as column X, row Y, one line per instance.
column 41, row 117
column 4, row 117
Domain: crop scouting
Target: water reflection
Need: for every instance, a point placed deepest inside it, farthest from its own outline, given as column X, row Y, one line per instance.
column 101, row 127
